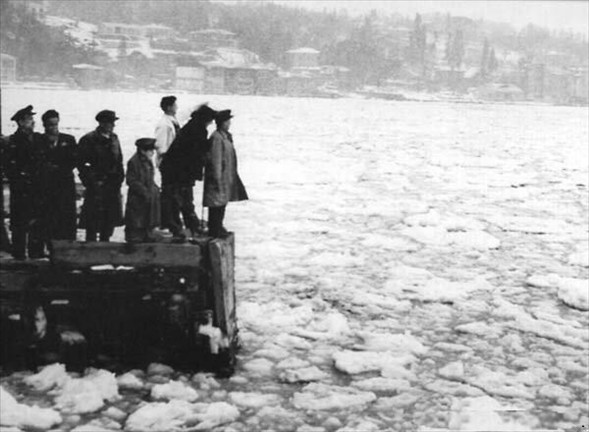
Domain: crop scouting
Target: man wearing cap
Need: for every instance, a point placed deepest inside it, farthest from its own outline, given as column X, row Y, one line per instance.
column 20, row 166
column 181, row 166
column 100, row 164
column 142, row 213
column 222, row 182
column 57, row 188
column 167, row 128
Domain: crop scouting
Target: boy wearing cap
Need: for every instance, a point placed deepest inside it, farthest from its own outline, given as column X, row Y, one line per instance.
column 56, row 181
column 20, row 166
column 100, row 164
column 142, row 213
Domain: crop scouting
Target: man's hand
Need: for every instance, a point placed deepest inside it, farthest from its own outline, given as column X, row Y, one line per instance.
column 71, row 337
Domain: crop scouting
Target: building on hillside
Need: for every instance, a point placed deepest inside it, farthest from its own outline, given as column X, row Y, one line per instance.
column 212, row 38
column 109, row 28
column 8, row 68
column 191, row 78
column 158, row 31
column 302, row 58
column 89, row 76
column 36, row 7
column 534, row 78
column 579, row 86
column 557, row 86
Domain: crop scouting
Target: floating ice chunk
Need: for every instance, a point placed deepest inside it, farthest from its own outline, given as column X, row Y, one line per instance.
column 215, row 414
column 402, row 400
column 531, row 224
column 79, row 397
column 533, row 377
column 579, row 258
column 452, row 347
column 396, row 244
column 273, row 317
column 431, row 218
column 479, row 240
column 540, row 281
column 480, row 329
column 445, row 387
column 289, row 341
column 429, row 235
column 439, row 290
column 380, row 384
column 309, row 428
column 355, row 362
column 398, row 343
column 334, row 325
column 549, row 330
column 482, row 414
column 498, row 383
column 292, row 363
column 553, row 391
column 361, row 425
column 397, row 371
column 308, row 374
column 574, row 292
column 254, row 400
column 19, row 415
column 129, row 381
column 259, row 366
column 174, row 390
column 158, row 416
column 454, row 370
column 92, row 427
column 272, row 351
column 317, row 396
column 48, row 377
column 87, row 394
column 159, row 369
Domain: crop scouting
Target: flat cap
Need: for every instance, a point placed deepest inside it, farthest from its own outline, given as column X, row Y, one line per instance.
column 145, row 143
column 22, row 113
column 106, row 116
column 204, row 112
column 223, row 115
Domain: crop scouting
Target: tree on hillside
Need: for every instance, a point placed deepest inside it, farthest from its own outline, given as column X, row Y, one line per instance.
column 456, row 53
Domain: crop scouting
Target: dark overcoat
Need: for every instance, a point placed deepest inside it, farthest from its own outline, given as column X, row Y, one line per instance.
column 100, row 164
column 222, row 182
column 182, row 164
column 143, row 198
column 57, row 187
column 20, row 164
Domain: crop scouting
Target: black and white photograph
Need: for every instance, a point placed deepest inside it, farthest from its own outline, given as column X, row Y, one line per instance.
column 294, row 215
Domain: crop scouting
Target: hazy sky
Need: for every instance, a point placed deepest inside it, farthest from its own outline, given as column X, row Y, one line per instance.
column 553, row 14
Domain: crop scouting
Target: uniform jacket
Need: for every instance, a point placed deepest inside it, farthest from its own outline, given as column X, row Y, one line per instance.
column 165, row 132
column 100, row 164
column 222, row 182
column 143, row 199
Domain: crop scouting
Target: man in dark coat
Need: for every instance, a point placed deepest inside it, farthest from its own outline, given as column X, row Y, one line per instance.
column 222, row 182
column 142, row 213
column 181, row 166
column 20, row 166
column 56, row 186
column 100, row 164
column 5, row 245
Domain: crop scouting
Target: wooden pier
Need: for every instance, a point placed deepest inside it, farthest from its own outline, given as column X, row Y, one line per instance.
column 133, row 303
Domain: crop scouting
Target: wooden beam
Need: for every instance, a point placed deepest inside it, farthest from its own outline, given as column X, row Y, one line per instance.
column 78, row 255
column 222, row 255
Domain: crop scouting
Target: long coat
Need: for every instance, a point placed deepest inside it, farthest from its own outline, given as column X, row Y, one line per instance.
column 57, row 186
column 222, row 182
column 100, row 165
column 143, row 199
column 20, row 163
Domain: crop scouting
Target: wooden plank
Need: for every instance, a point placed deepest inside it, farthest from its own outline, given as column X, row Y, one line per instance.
column 222, row 255
column 78, row 255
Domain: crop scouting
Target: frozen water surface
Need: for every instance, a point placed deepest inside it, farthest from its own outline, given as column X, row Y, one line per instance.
column 400, row 265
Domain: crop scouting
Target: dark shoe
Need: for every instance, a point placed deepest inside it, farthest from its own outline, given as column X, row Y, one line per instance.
column 179, row 238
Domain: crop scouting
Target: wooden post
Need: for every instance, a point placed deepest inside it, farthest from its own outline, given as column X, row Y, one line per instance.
column 222, row 255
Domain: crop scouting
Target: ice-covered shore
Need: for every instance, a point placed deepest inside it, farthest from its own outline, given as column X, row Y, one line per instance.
column 400, row 266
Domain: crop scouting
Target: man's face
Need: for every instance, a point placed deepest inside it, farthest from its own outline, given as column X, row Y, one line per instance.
column 173, row 109
column 148, row 153
column 27, row 123
column 52, row 126
column 226, row 125
column 107, row 127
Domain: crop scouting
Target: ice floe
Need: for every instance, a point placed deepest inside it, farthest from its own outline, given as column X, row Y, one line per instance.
column 20, row 415
column 254, row 400
column 317, row 396
column 176, row 390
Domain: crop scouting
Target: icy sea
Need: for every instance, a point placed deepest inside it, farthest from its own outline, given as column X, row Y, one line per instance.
column 400, row 266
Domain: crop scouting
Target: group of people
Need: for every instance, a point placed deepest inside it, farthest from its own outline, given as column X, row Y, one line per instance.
column 40, row 172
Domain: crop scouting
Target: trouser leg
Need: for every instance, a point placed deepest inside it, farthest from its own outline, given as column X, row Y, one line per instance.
column 188, row 211
column 136, row 235
column 171, row 203
column 19, row 242
column 216, row 215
